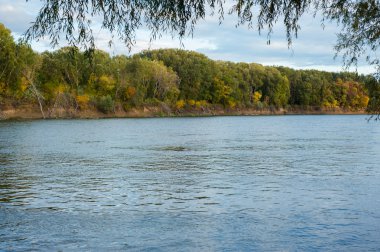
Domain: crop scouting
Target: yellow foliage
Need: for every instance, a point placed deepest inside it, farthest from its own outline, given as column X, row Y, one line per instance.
column 256, row 96
column 61, row 88
column 330, row 105
column 200, row 104
column 231, row 104
column 364, row 101
column 191, row 102
column 203, row 103
column 180, row 104
column 83, row 101
column 107, row 82
column 339, row 81
column 335, row 104
column 326, row 104
column 24, row 84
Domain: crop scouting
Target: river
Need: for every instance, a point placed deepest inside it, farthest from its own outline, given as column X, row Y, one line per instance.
column 267, row 183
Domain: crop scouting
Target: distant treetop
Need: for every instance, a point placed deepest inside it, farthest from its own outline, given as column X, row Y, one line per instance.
column 359, row 20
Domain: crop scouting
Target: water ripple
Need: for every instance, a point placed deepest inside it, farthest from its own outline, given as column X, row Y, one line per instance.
column 225, row 183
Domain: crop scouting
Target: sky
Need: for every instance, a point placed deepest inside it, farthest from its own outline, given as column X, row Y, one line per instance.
column 313, row 49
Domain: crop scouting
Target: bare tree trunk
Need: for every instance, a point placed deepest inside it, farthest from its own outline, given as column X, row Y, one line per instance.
column 39, row 97
column 36, row 93
column 76, row 105
column 55, row 105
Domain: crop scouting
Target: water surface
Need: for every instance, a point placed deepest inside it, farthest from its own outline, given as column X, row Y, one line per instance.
column 280, row 183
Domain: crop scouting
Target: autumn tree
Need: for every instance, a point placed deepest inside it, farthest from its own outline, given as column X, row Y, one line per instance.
column 359, row 20
column 71, row 79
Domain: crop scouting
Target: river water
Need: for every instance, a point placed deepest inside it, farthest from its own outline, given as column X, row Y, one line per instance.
column 268, row 183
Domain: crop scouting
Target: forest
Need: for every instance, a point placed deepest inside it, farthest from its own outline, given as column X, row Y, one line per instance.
column 72, row 80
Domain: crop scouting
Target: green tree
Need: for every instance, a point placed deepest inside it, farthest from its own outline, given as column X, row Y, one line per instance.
column 29, row 64
column 194, row 70
column 276, row 87
column 8, row 61
column 68, row 78
column 150, row 80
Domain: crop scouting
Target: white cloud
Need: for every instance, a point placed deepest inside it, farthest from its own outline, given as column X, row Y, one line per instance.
column 14, row 15
column 312, row 49
column 7, row 8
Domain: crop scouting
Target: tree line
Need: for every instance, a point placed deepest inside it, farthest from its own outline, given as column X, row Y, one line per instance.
column 73, row 79
column 358, row 20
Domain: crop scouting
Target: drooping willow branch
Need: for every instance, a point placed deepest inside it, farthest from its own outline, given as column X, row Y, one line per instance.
column 74, row 19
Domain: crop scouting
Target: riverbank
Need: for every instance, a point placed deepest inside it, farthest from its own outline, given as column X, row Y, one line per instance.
column 34, row 112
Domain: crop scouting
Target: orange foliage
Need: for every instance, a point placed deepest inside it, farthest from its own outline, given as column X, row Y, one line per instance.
column 130, row 92
column 82, row 101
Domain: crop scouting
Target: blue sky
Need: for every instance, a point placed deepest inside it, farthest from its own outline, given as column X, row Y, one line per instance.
column 313, row 49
